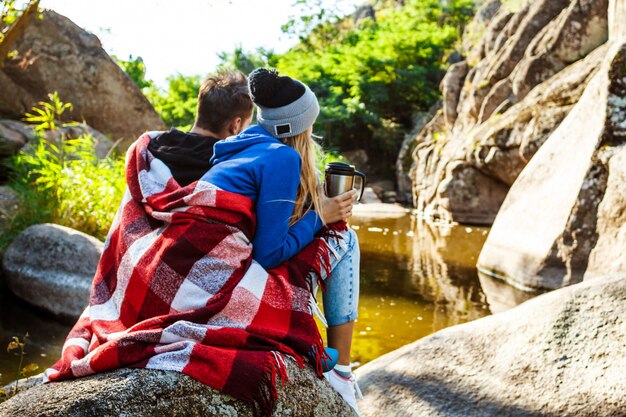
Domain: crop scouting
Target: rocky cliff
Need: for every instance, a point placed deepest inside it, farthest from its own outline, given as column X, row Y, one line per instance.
column 563, row 219
column 526, row 64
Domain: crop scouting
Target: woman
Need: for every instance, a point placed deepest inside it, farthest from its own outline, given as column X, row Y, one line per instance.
column 274, row 164
column 180, row 286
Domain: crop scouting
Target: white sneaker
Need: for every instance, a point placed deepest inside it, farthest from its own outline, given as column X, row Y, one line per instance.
column 346, row 387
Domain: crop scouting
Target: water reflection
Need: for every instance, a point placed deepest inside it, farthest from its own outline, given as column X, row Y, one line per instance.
column 45, row 336
column 417, row 277
column 500, row 295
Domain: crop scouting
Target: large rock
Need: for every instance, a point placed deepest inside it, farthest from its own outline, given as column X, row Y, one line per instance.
column 13, row 136
column 57, row 55
column 153, row 393
column 525, row 70
column 51, row 267
column 549, row 222
column 560, row 354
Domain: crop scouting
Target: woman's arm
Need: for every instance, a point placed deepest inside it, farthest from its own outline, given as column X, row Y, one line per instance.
column 278, row 180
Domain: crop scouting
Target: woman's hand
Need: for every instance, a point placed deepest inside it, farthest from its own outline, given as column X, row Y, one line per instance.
column 335, row 209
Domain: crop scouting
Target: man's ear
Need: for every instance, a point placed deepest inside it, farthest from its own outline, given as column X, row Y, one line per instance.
column 235, row 125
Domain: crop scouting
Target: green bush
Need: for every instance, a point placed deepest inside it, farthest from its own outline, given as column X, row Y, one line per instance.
column 63, row 181
column 66, row 184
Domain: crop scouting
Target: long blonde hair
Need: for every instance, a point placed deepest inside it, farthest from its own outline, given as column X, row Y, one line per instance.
column 307, row 197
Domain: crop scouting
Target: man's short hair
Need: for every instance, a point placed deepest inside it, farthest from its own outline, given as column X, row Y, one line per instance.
column 222, row 97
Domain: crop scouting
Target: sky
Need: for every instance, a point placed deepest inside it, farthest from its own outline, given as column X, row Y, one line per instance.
column 184, row 36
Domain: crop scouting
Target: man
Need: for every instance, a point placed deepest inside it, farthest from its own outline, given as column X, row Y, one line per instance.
column 224, row 109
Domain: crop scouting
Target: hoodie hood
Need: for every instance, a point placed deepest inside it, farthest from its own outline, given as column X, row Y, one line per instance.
column 253, row 135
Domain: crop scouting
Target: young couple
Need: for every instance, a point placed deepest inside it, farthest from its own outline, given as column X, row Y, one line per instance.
column 212, row 261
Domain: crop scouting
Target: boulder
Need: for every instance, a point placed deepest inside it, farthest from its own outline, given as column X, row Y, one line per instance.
column 369, row 196
column 56, row 55
column 560, row 354
column 51, row 267
column 155, row 393
column 552, row 217
column 13, row 136
column 524, row 71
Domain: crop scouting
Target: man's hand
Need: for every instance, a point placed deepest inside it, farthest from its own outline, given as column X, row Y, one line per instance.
column 335, row 209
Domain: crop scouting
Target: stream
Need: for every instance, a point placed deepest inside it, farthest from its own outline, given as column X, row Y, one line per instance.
column 417, row 277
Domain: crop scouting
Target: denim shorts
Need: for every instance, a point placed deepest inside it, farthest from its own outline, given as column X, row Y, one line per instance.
column 341, row 298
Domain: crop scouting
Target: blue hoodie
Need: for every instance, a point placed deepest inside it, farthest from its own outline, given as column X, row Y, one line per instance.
column 264, row 169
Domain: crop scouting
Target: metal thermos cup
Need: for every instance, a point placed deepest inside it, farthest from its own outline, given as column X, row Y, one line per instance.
column 341, row 177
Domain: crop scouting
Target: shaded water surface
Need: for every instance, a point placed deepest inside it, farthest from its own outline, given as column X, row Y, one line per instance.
column 416, row 278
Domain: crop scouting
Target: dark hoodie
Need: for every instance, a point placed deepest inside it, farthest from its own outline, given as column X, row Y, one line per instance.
column 187, row 155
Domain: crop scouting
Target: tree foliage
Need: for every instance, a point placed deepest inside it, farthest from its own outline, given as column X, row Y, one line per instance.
column 135, row 69
column 244, row 61
column 177, row 104
column 374, row 76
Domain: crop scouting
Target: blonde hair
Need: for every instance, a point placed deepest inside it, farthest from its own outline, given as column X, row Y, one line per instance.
column 307, row 197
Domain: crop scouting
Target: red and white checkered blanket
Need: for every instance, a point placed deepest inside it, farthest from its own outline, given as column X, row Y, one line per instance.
column 177, row 289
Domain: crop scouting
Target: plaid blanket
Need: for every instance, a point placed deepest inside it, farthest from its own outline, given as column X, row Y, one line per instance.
column 177, row 289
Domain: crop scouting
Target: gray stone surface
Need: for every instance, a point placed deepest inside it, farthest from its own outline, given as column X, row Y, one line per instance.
column 153, row 393
column 560, row 354
column 57, row 55
column 608, row 255
column 15, row 135
column 51, row 267
column 549, row 222
column 524, row 74
column 9, row 205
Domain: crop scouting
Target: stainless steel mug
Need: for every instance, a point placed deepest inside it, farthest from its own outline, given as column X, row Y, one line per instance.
column 341, row 177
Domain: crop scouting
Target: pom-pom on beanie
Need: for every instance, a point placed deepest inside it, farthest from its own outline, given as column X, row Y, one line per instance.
column 287, row 107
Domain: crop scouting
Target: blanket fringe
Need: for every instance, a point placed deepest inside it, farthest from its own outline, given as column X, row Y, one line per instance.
column 265, row 402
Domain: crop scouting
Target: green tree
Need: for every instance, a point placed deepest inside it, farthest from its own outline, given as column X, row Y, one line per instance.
column 177, row 103
column 246, row 61
column 135, row 69
column 371, row 79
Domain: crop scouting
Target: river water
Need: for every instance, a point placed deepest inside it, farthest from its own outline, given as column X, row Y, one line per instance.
column 417, row 277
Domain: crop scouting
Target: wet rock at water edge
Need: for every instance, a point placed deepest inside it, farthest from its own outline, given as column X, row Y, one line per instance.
column 51, row 267
column 152, row 393
column 560, row 354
